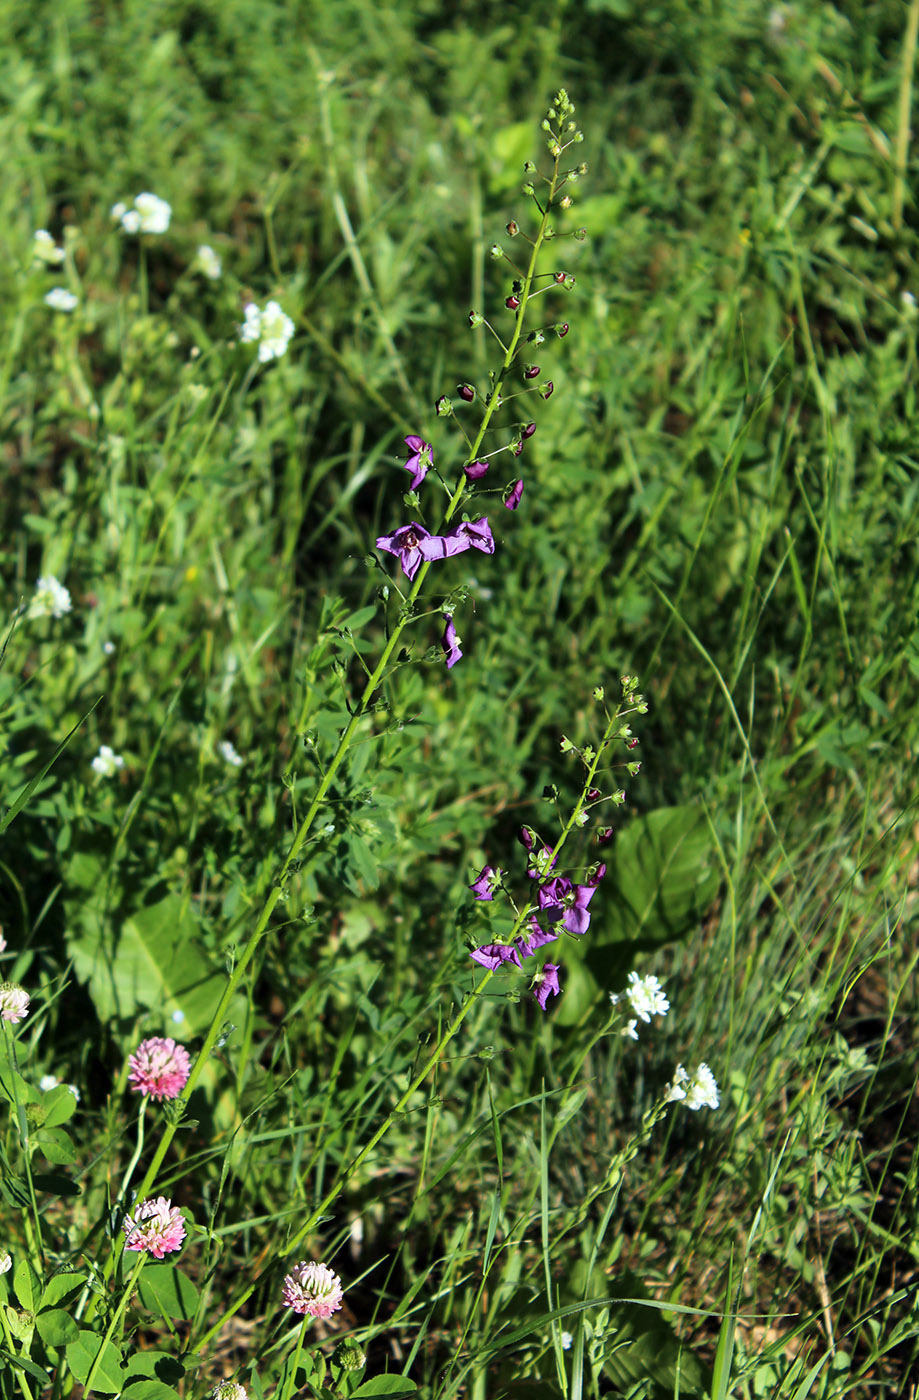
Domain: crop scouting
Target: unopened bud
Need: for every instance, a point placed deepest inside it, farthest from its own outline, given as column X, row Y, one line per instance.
column 443, row 407
column 560, row 278
column 529, row 188
column 528, row 167
column 512, row 229
column 531, row 372
column 562, row 330
column 565, row 201
column 547, row 390
column 476, row 319
column 496, row 251
column 512, row 303
column 580, row 234
column 529, row 430
column 466, row 392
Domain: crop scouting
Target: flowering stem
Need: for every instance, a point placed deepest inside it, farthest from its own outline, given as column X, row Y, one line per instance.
column 122, row 1196
column 113, row 1323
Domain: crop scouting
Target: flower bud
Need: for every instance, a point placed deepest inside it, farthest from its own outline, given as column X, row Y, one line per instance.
column 529, row 168
column 512, row 303
column 475, row 470
column 476, row 319
column 529, row 188
column 565, row 201
column 529, row 430
column 560, row 278
column 466, row 392
column 562, row 330
column 546, row 390
column 349, row 1355
column 531, row 372
column 443, row 407
column 496, row 251
column 512, row 229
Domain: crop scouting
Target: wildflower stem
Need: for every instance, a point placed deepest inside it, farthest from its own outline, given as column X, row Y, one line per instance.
column 113, row 1323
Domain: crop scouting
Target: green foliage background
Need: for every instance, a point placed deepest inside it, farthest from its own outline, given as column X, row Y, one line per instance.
column 721, row 497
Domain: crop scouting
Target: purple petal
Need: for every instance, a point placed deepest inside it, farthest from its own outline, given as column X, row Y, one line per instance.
column 450, row 643
column 483, row 887
column 476, row 470
column 492, row 955
column 545, row 983
column 513, row 499
column 443, row 546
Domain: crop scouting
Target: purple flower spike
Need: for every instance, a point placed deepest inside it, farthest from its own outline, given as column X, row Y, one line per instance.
column 545, row 983
column 561, row 901
column 513, row 499
column 475, row 470
column 421, row 460
column 407, row 542
column 492, row 955
column 486, row 882
column 450, row 643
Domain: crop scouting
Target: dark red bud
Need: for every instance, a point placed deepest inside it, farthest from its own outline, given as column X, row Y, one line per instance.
column 561, row 330
column 512, row 303
column 593, row 794
column 529, row 430
column 605, row 836
column 548, row 390
column 632, row 744
column 531, row 372
column 466, row 391
column 513, row 229
column 560, row 278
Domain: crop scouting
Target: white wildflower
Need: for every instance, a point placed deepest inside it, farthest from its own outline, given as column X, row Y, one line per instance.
column 149, row 214
column 566, row 1341
column 107, row 762
column 45, row 250
column 271, row 329
column 48, row 1081
column 51, row 598
column 61, row 300
column 698, row 1090
column 6, row 1261
column 229, row 754
column 209, row 262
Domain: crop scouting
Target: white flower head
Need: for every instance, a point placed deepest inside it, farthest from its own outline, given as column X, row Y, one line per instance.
column 566, row 1340
column 6, row 1261
column 697, row 1090
column 59, row 299
column 108, row 648
column 229, row 754
column 48, row 1081
column 209, row 262
column 229, row 1390
column 14, row 1002
column 149, row 214
column 51, row 598
column 45, row 250
column 107, row 762
column 270, row 328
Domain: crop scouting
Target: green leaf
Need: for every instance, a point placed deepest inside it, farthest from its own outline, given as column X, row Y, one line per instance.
column 163, row 1288
column 386, row 1385
column 26, row 1285
column 81, row 1354
column 56, row 1327
column 150, row 1390
column 56, row 1145
column 157, row 1365
column 61, row 1287
column 59, row 1104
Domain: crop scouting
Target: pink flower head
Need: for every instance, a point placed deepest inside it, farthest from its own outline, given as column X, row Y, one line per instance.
column 421, row 460
column 159, row 1067
column 156, row 1226
column 545, row 983
column 450, row 643
column 14, row 1001
column 313, row 1289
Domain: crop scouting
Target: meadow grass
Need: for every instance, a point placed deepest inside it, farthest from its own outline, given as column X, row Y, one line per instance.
column 720, row 499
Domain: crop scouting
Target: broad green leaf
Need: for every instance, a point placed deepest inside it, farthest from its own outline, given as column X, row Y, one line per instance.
column 386, row 1385
column 61, row 1286
column 163, row 1288
column 56, row 1145
column 156, row 1365
column 59, row 1105
column 56, row 1327
column 27, row 1285
column 150, row 1390
column 109, row 1377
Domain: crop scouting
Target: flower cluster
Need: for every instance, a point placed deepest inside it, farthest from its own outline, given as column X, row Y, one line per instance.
column 59, row 299
column 148, row 214
column 698, row 1090
column 269, row 328
column 156, row 1227
column 313, row 1289
column 107, row 762
column 159, row 1067
column 51, row 598
column 645, row 996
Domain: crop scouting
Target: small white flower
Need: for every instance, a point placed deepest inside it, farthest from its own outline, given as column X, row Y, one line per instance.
column 48, row 1081
column 209, row 262
column 61, row 300
column 271, row 328
column 646, row 997
column 229, row 1390
column 150, row 214
column 75, row 1091
column 908, row 301
column 698, row 1090
column 631, row 1030
column 229, row 754
column 51, row 598
column 6, row 1261
column 566, row 1340
column 45, row 250
column 108, row 648
column 2, row 942
column 178, row 1016
column 107, row 762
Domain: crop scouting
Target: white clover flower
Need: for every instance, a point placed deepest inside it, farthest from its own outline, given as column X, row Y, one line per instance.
column 271, row 329
column 75, row 1091
column 698, row 1090
column 48, row 1081
column 209, row 262
column 150, row 214
column 14, row 1002
column 45, row 250
column 61, row 300
column 6, row 1261
column 107, row 762
column 51, row 598
column 229, row 754
column 229, row 1390
column 566, row 1341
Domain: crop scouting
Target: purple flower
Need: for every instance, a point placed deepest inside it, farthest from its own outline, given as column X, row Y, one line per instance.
column 486, row 882
column 536, row 938
column 421, row 460
column 538, row 866
column 492, row 955
column 474, row 534
column 513, row 500
column 475, row 470
column 561, row 901
column 450, row 643
column 545, row 983
column 407, row 542
column 527, row 838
